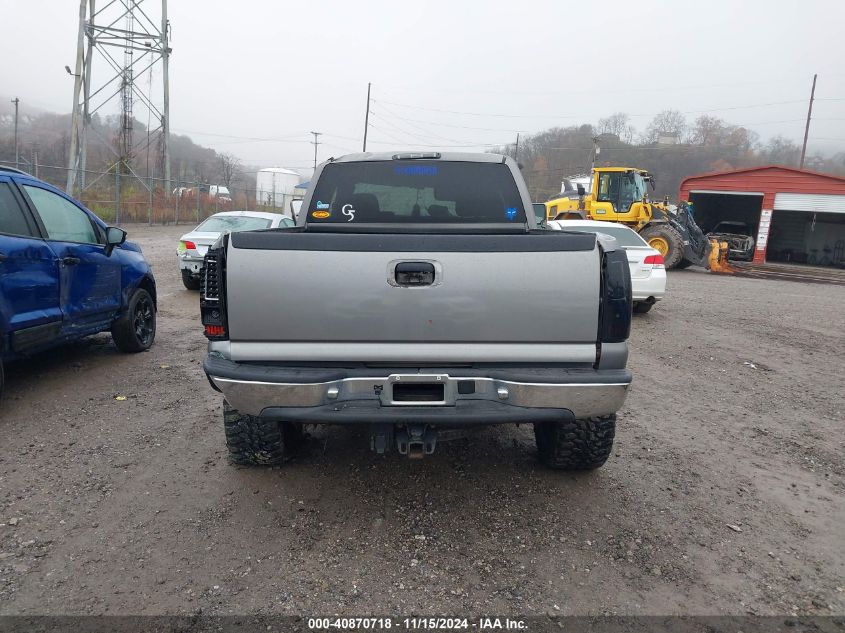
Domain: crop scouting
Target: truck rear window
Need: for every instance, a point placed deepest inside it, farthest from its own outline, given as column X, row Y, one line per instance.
column 416, row 191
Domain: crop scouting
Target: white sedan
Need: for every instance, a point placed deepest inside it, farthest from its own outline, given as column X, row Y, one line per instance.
column 193, row 246
column 648, row 271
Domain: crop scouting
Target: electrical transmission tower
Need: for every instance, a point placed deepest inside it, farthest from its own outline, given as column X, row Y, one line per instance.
column 119, row 42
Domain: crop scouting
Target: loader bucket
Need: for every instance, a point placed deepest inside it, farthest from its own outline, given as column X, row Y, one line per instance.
column 718, row 258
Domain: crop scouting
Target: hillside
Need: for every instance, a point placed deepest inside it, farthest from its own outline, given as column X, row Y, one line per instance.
column 47, row 136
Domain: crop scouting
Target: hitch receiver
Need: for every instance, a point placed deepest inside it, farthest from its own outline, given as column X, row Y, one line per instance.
column 416, row 440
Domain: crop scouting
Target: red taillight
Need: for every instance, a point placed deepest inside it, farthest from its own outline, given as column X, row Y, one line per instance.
column 215, row 330
column 654, row 260
column 190, row 245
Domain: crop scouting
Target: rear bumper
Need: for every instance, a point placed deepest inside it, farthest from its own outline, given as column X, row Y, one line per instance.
column 190, row 263
column 651, row 287
column 469, row 396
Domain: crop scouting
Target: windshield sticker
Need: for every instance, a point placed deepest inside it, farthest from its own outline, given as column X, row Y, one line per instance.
column 322, row 205
column 510, row 214
column 349, row 211
column 416, row 170
column 320, row 215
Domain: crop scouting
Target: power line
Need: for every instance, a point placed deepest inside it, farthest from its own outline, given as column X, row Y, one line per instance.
column 280, row 139
column 463, row 127
column 429, row 138
column 601, row 91
column 572, row 116
column 428, row 145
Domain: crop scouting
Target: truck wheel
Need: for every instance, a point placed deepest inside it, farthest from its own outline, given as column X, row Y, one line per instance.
column 255, row 441
column 189, row 281
column 575, row 444
column 667, row 241
column 135, row 331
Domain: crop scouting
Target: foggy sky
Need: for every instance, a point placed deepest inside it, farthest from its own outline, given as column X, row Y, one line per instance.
column 270, row 69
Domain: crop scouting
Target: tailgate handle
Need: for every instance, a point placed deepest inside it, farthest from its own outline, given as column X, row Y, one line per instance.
column 414, row 274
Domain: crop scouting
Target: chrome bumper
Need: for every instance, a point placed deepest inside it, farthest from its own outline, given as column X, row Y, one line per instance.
column 583, row 398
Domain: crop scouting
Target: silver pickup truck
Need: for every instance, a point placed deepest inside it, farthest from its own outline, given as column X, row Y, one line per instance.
column 417, row 293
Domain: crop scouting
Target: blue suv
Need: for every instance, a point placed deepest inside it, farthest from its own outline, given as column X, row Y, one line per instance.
column 65, row 274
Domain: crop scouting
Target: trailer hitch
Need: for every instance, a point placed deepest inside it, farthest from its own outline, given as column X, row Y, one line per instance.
column 416, row 440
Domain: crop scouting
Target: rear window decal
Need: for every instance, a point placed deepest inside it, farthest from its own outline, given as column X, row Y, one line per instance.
column 416, row 170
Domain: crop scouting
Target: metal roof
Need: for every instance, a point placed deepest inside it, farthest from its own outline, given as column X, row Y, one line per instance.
column 748, row 170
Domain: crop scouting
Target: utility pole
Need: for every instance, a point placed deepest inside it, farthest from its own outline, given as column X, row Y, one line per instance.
column 516, row 151
column 367, row 117
column 807, row 127
column 596, row 152
column 315, row 143
column 16, row 101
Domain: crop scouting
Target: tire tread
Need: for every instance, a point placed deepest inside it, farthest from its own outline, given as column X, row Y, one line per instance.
column 583, row 444
column 256, row 441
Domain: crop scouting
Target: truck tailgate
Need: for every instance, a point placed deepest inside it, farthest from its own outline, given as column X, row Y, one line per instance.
column 299, row 296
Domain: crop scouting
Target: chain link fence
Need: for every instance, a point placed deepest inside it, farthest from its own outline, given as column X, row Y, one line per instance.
column 124, row 198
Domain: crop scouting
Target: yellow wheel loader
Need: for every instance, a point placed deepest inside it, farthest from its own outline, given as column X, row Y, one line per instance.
column 620, row 194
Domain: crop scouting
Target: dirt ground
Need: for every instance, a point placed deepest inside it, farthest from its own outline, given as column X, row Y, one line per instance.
column 725, row 493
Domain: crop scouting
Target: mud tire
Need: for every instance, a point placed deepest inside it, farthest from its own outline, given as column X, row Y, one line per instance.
column 256, row 441
column 575, row 444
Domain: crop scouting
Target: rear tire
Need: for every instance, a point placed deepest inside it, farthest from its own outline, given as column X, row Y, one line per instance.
column 664, row 234
column 575, row 444
column 641, row 307
column 256, row 441
column 135, row 331
column 189, row 281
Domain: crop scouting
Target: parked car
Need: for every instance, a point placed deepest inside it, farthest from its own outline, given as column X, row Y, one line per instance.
column 193, row 245
column 738, row 235
column 648, row 271
column 422, row 302
column 65, row 274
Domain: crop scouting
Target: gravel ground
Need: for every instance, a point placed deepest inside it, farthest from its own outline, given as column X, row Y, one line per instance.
column 724, row 494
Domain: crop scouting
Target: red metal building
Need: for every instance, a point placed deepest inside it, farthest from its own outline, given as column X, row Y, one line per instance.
column 795, row 215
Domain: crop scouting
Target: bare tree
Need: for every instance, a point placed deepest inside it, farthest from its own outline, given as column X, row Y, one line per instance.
column 666, row 123
column 619, row 125
column 228, row 165
column 782, row 151
column 708, row 130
